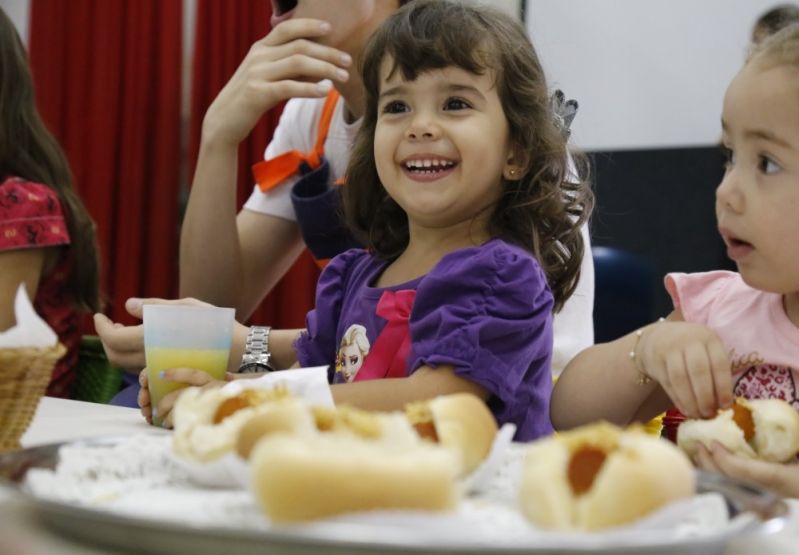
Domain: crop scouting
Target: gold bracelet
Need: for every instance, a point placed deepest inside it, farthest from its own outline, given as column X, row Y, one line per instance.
column 643, row 377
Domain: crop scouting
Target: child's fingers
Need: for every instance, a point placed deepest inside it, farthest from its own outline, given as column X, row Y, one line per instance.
column 143, row 401
column 680, row 385
column 704, row 460
column 782, row 478
column 165, row 406
column 167, row 421
column 722, row 374
column 188, row 376
column 697, row 363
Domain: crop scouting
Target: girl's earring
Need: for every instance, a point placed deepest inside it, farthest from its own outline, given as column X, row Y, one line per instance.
column 512, row 174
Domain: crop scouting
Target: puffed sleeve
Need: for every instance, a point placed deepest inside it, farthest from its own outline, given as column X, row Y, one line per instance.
column 317, row 344
column 30, row 216
column 695, row 294
column 487, row 311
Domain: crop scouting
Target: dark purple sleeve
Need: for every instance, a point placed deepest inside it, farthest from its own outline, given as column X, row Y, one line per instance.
column 486, row 311
column 317, row 345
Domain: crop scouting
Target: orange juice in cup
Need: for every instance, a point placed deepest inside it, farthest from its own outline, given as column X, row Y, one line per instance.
column 185, row 337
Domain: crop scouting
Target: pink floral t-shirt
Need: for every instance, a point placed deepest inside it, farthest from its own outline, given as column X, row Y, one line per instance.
column 762, row 342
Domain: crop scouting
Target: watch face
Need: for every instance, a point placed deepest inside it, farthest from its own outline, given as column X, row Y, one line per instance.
column 255, row 367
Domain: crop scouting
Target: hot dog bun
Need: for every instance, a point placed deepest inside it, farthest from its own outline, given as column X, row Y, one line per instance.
column 305, row 477
column 207, row 421
column 599, row 476
column 461, row 422
column 767, row 429
column 297, row 418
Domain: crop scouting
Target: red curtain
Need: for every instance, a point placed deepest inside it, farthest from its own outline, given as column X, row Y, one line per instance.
column 108, row 80
column 224, row 33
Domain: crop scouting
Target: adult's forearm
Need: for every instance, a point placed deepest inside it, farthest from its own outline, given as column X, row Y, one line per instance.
column 210, row 256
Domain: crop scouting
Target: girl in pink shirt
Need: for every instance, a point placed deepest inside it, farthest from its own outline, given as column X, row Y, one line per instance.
column 730, row 334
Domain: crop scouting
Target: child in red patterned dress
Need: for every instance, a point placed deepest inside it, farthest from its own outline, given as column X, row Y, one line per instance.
column 47, row 237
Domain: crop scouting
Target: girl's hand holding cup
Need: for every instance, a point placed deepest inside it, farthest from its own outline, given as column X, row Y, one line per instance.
column 181, row 377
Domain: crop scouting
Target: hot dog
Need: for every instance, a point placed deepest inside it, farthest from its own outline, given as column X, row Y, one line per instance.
column 766, row 429
column 599, row 476
column 207, row 422
column 460, row 422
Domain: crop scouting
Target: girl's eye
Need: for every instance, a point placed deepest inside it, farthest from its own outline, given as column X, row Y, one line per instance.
column 456, row 104
column 729, row 157
column 767, row 166
column 395, row 107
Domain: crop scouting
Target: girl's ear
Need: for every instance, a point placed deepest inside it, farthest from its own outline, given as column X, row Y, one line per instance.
column 515, row 166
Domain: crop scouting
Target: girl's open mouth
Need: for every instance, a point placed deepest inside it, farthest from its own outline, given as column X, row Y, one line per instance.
column 428, row 169
column 737, row 249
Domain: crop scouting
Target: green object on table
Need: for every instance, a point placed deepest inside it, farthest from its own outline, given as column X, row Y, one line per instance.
column 98, row 380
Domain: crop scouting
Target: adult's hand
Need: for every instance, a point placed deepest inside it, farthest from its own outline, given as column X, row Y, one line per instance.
column 284, row 64
column 124, row 345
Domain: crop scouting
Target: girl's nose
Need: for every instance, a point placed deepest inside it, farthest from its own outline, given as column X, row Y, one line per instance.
column 423, row 127
column 728, row 193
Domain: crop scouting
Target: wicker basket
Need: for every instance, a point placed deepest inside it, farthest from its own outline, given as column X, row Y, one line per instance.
column 24, row 375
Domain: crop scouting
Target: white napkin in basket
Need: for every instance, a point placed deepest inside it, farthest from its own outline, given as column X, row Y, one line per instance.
column 30, row 331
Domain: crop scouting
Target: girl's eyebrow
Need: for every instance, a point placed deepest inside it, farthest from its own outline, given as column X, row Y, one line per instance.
column 391, row 91
column 448, row 87
column 762, row 134
column 457, row 87
column 766, row 135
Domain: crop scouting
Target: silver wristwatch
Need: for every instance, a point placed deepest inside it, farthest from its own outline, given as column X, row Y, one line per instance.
column 256, row 351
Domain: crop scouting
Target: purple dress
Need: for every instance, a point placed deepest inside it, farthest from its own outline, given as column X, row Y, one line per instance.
column 486, row 311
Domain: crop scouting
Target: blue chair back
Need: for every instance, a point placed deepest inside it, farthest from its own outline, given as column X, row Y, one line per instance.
column 623, row 292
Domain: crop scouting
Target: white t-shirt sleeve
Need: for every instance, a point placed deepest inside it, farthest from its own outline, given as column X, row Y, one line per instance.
column 573, row 326
column 296, row 130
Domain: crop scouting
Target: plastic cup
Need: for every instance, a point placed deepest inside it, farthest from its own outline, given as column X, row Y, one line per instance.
column 176, row 336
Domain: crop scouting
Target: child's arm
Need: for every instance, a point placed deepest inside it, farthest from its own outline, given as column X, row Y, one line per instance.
column 383, row 395
column 687, row 363
column 394, row 393
column 782, row 478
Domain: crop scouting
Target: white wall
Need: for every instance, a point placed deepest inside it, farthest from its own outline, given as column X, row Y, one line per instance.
column 19, row 12
column 647, row 73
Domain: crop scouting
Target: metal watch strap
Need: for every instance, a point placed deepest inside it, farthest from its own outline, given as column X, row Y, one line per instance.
column 256, row 351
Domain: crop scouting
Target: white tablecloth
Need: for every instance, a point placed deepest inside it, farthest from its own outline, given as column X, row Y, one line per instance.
column 59, row 420
column 63, row 420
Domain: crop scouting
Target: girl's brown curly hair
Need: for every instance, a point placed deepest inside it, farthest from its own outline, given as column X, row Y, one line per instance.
column 543, row 211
